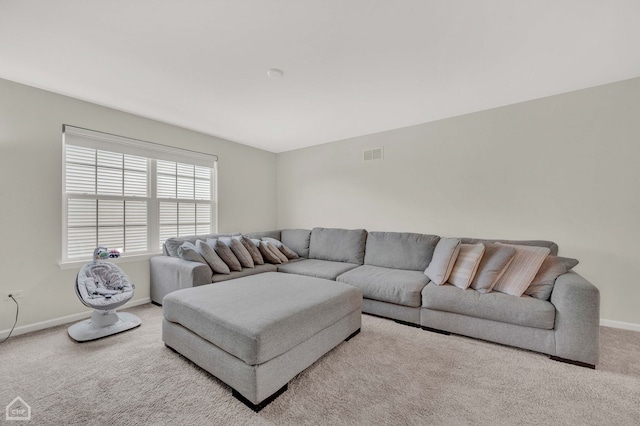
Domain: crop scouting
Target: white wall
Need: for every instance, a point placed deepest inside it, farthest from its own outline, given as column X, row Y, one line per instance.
column 563, row 168
column 30, row 191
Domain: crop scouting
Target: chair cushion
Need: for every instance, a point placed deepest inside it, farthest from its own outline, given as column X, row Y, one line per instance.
column 398, row 286
column 338, row 245
column 524, row 310
column 259, row 317
column 400, row 250
column 317, row 268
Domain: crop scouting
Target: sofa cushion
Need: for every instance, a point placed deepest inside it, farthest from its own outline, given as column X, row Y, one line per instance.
column 266, row 267
column 553, row 247
column 466, row 265
column 326, row 269
column 525, row 310
column 262, row 234
column 522, row 269
column 494, row 262
column 400, row 250
column 399, row 286
column 444, row 257
column 552, row 267
column 338, row 245
column 297, row 240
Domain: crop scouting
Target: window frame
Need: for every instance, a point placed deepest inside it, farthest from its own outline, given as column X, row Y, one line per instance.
column 77, row 136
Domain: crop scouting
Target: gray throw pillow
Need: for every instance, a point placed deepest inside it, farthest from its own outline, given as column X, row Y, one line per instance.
column 268, row 255
column 494, row 262
column 188, row 251
column 211, row 257
column 242, row 253
column 253, row 250
column 225, row 254
column 444, row 257
column 552, row 267
column 290, row 254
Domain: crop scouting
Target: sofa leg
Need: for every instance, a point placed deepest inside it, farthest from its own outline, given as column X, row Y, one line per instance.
column 435, row 330
column 258, row 407
column 156, row 303
column 352, row 335
column 570, row 361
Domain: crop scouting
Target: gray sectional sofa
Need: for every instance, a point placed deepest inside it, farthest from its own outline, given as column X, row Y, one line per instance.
column 389, row 267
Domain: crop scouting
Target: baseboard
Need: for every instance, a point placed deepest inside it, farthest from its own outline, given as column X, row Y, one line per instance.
column 23, row 329
column 619, row 324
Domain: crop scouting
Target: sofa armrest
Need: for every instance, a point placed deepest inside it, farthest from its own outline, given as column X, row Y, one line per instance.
column 577, row 326
column 172, row 273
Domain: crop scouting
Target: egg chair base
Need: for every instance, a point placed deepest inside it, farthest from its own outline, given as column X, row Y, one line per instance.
column 103, row 324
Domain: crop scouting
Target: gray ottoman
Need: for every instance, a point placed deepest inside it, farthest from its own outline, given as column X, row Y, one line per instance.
column 257, row 332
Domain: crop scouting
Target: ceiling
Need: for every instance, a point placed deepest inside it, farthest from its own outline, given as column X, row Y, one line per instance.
column 351, row 67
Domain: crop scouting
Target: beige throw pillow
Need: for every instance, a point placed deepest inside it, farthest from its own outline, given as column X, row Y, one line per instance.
column 225, row 254
column 243, row 255
column 284, row 249
column 522, row 270
column 277, row 252
column 444, row 257
column 268, row 255
column 253, row 250
column 466, row 265
column 211, row 257
column 494, row 262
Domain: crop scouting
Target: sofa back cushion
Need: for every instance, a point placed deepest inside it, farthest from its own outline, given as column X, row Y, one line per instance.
column 553, row 247
column 338, row 245
column 297, row 240
column 400, row 250
column 170, row 246
column 263, row 234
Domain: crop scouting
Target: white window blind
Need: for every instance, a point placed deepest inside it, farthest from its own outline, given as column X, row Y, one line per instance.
column 132, row 195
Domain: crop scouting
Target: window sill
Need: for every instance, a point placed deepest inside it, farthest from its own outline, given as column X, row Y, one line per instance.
column 77, row 264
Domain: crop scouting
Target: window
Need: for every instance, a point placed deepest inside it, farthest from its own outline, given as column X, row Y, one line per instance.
column 132, row 195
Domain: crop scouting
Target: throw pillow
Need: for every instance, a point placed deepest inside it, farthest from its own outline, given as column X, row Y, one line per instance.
column 444, row 257
column 277, row 252
column 211, row 257
column 188, row 251
column 552, row 267
column 242, row 253
column 522, row 270
column 284, row 249
column 466, row 265
column 225, row 254
column 268, row 255
column 494, row 262
column 253, row 250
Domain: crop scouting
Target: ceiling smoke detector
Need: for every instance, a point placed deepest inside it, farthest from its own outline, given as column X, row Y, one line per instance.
column 275, row 73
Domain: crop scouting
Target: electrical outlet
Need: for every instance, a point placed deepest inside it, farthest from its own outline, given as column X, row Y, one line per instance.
column 17, row 294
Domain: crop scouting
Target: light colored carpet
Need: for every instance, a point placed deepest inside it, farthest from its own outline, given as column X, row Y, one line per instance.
column 389, row 374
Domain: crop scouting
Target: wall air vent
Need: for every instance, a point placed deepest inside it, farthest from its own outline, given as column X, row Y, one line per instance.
column 373, row 154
